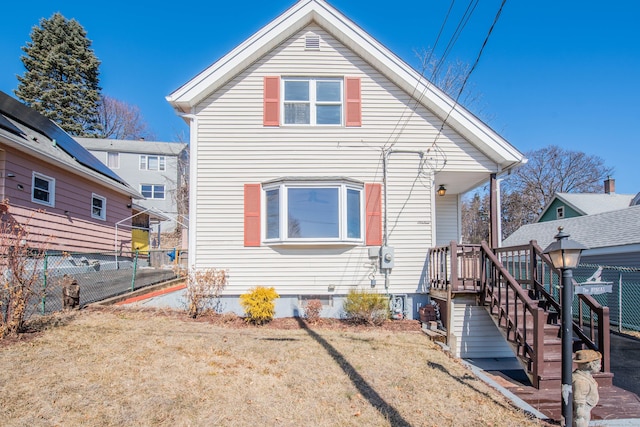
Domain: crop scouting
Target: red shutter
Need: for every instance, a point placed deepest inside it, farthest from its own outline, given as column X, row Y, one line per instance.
column 252, row 214
column 353, row 115
column 373, row 206
column 271, row 101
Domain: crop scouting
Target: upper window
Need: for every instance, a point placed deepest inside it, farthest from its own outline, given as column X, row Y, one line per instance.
column 113, row 160
column 560, row 212
column 43, row 189
column 312, row 101
column 152, row 191
column 152, row 163
column 313, row 212
column 98, row 207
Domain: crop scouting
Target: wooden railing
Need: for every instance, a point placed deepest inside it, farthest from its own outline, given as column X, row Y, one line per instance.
column 535, row 272
column 455, row 268
column 521, row 288
column 516, row 312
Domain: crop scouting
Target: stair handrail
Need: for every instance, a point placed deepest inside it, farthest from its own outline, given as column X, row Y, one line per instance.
column 530, row 348
column 602, row 313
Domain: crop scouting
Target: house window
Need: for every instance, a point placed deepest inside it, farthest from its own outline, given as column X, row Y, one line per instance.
column 43, row 189
column 152, row 191
column 152, row 163
column 560, row 212
column 312, row 101
column 113, row 160
column 98, row 207
column 313, row 212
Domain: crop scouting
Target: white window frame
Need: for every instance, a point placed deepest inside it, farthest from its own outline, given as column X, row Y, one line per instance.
column 153, row 191
column 115, row 156
column 103, row 212
column 51, row 189
column 144, row 163
column 313, row 103
column 342, row 186
column 560, row 212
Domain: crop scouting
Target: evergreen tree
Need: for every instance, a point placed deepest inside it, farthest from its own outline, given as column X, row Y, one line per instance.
column 61, row 79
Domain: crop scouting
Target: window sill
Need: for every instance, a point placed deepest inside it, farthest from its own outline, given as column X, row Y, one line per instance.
column 315, row 244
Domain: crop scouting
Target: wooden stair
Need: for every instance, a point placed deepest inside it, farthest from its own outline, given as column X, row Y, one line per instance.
column 528, row 317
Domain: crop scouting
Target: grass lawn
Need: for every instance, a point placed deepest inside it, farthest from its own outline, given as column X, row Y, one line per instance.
column 123, row 367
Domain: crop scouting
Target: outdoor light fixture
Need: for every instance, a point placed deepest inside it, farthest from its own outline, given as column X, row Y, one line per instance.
column 441, row 190
column 565, row 254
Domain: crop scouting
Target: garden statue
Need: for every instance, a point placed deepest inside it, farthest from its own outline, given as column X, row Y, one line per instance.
column 585, row 387
column 70, row 293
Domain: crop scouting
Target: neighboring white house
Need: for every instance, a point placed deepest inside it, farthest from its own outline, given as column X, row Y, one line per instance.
column 152, row 168
column 316, row 154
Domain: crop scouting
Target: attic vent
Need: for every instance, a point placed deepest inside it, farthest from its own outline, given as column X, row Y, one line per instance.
column 312, row 42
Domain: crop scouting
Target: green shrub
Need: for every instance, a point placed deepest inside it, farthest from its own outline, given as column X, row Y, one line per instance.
column 258, row 304
column 362, row 306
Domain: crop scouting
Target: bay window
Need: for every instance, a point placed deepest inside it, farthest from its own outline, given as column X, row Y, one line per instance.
column 313, row 211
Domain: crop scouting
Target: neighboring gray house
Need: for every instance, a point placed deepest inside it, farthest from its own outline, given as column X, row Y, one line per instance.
column 150, row 167
column 613, row 237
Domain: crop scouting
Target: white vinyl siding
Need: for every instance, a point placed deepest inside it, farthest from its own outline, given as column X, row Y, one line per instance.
column 234, row 148
column 473, row 333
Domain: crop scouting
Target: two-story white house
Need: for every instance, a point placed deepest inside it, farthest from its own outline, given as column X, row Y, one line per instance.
column 316, row 159
column 154, row 169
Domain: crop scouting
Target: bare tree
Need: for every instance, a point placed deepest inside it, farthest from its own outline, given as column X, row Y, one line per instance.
column 553, row 170
column 449, row 77
column 475, row 218
column 120, row 120
column 531, row 187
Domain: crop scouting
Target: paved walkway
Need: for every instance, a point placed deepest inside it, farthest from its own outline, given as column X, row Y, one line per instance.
column 619, row 405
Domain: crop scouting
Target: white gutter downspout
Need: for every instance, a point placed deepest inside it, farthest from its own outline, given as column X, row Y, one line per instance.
column 193, row 185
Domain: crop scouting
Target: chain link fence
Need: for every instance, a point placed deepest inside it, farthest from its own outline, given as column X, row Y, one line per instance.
column 624, row 300
column 103, row 275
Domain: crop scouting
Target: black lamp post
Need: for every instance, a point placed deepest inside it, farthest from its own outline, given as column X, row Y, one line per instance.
column 565, row 254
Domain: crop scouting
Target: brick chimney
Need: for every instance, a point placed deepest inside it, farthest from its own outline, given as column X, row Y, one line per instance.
column 609, row 185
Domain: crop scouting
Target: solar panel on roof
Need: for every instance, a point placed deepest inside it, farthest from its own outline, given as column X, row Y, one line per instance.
column 31, row 118
column 7, row 125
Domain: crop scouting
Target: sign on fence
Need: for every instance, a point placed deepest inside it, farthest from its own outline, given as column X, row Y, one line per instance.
column 594, row 288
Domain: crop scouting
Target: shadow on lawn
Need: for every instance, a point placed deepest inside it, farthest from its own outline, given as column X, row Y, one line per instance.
column 393, row 416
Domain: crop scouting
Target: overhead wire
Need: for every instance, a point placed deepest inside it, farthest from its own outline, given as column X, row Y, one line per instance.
column 422, row 72
column 471, row 70
column 464, row 20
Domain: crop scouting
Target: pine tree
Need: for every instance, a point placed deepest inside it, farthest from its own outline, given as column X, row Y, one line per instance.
column 61, row 79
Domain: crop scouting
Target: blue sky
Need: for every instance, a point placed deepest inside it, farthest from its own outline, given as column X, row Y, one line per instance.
column 553, row 72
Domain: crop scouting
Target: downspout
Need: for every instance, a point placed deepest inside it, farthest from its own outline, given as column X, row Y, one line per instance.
column 193, row 186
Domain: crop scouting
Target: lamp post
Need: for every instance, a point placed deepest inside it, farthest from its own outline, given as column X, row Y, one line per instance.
column 565, row 254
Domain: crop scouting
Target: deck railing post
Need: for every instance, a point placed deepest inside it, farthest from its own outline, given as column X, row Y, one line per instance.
column 454, row 266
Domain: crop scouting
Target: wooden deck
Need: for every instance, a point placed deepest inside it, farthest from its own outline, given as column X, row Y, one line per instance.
column 615, row 403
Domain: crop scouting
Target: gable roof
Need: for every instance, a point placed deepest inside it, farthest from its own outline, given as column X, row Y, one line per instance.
column 591, row 203
column 607, row 229
column 303, row 13
column 30, row 132
column 132, row 146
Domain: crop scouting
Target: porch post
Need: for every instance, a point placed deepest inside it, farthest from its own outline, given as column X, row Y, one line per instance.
column 494, row 239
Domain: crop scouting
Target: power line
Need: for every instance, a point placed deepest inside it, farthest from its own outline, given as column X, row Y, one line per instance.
column 471, row 70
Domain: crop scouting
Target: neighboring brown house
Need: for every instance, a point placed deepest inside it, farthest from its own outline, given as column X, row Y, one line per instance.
column 67, row 196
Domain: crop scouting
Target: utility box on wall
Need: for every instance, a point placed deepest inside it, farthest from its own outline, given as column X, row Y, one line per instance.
column 387, row 257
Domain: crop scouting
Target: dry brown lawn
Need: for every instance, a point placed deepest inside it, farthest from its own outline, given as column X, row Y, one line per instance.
column 122, row 367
